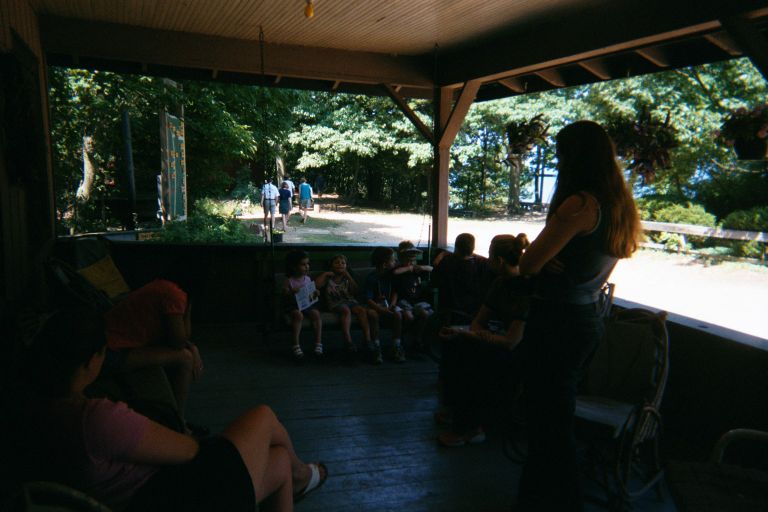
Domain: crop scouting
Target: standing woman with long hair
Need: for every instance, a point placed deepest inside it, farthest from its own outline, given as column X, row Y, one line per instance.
column 592, row 223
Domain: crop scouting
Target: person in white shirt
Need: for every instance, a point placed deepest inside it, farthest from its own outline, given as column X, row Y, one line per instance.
column 269, row 195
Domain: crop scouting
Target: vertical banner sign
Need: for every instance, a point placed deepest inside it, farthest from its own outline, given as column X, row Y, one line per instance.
column 173, row 177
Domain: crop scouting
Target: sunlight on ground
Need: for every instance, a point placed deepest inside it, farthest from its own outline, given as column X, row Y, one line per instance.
column 727, row 294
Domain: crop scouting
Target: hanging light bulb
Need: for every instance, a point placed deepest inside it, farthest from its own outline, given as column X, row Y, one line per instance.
column 309, row 9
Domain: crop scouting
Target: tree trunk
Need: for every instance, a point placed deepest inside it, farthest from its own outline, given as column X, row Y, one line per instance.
column 482, row 170
column 515, row 167
column 89, row 173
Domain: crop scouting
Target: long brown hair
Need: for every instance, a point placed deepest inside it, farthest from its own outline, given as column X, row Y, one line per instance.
column 587, row 163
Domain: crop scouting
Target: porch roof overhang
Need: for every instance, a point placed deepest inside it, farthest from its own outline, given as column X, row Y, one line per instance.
column 509, row 47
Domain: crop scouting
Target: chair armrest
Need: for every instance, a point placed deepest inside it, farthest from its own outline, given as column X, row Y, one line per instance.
column 739, row 434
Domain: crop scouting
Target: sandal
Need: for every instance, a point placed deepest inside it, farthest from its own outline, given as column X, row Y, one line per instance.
column 316, row 480
column 318, row 349
column 298, row 354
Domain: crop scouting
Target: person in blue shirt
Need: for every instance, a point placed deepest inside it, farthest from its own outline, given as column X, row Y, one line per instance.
column 305, row 199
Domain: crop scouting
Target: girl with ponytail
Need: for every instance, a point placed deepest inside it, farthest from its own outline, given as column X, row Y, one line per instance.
column 477, row 361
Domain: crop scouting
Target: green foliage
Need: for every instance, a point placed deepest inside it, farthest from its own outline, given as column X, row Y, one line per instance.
column 676, row 213
column 755, row 219
column 207, row 225
column 367, row 150
column 732, row 188
column 685, row 214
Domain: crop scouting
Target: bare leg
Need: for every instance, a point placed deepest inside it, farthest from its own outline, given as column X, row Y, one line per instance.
column 345, row 317
column 262, row 440
column 296, row 319
column 373, row 323
column 285, row 222
column 362, row 317
column 317, row 324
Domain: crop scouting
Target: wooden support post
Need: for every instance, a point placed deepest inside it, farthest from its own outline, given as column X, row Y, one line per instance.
column 442, row 156
column 447, row 124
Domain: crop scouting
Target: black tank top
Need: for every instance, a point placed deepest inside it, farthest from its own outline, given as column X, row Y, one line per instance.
column 586, row 268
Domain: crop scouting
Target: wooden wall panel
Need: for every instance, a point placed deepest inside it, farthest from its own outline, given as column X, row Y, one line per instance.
column 18, row 15
column 26, row 212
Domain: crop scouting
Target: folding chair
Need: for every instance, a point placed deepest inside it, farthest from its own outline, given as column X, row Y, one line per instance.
column 620, row 401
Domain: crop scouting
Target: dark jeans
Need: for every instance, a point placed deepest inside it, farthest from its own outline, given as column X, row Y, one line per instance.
column 559, row 342
column 479, row 381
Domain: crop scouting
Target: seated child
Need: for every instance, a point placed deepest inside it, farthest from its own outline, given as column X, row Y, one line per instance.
column 378, row 290
column 297, row 278
column 463, row 278
column 407, row 283
column 339, row 291
column 152, row 326
column 482, row 358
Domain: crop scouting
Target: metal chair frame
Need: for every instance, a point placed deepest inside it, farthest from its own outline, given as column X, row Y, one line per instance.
column 633, row 449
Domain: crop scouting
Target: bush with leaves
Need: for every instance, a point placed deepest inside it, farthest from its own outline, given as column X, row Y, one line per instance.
column 755, row 219
column 684, row 214
column 210, row 223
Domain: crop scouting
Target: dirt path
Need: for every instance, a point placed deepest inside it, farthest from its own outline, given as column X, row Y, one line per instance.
column 732, row 295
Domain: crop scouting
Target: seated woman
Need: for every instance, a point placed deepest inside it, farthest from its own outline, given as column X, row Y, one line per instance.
column 129, row 462
column 481, row 357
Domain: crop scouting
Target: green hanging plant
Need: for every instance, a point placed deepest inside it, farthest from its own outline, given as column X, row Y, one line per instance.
column 644, row 141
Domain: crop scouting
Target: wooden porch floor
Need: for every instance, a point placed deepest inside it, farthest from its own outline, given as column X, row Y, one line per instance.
column 372, row 426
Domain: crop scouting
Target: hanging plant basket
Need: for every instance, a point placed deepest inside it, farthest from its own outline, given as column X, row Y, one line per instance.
column 751, row 149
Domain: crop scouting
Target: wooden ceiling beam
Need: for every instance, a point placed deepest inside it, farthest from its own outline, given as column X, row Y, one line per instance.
column 459, row 112
column 750, row 40
column 552, row 77
column 410, row 114
column 723, row 41
column 655, row 55
column 597, row 68
column 514, row 85
column 123, row 43
column 574, row 37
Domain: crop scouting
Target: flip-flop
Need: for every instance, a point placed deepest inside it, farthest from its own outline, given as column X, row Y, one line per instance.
column 316, row 480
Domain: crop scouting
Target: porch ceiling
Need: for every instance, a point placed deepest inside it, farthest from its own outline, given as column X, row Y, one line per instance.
column 511, row 46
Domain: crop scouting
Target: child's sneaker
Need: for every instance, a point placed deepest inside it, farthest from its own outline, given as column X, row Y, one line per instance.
column 377, row 358
column 399, row 354
column 318, row 349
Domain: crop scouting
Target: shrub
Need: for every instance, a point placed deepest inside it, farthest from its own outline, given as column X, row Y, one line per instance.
column 648, row 206
column 682, row 214
column 207, row 224
column 685, row 214
column 755, row 219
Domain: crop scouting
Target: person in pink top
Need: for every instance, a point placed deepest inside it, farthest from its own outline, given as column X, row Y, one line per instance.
column 152, row 326
column 131, row 463
column 299, row 302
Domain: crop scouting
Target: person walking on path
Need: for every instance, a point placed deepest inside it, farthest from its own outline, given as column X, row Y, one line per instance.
column 305, row 199
column 269, row 195
column 285, row 203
